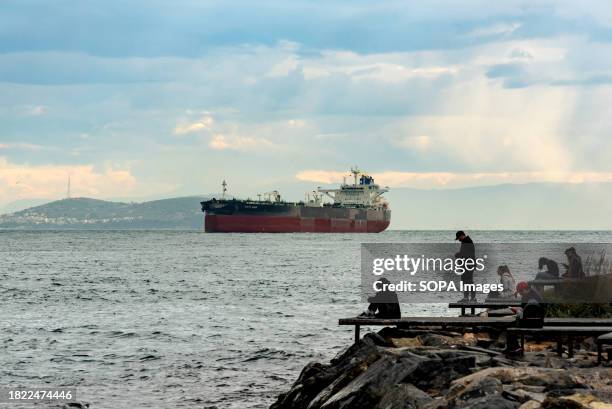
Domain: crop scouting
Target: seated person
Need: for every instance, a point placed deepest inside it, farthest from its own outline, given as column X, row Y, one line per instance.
column 507, row 280
column 552, row 269
column 530, row 314
column 531, row 303
column 574, row 264
column 384, row 304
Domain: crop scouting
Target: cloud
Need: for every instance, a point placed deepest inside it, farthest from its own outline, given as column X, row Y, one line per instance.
column 239, row 143
column 27, row 146
column 518, row 53
column 428, row 180
column 19, row 181
column 495, row 30
column 420, row 143
column 203, row 123
column 440, row 89
column 196, row 27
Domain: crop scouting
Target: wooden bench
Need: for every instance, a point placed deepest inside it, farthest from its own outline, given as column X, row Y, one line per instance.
column 559, row 333
column 483, row 305
column 578, row 322
column 553, row 282
column 467, row 322
column 602, row 340
column 500, row 322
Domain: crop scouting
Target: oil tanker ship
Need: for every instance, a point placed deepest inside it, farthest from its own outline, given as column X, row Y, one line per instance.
column 357, row 207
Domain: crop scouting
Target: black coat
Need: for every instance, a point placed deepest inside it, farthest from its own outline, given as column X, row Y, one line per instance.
column 467, row 251
column 385, row 304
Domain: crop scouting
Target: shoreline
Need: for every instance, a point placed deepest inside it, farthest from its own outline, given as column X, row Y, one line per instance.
column 444, row 369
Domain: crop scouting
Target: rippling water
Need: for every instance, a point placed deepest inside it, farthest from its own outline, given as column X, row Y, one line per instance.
column 186, row 319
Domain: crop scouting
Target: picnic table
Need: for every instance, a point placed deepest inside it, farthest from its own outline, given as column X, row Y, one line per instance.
column 471, row 322
column 484, row 305
column 501, row 322
column 552, row 282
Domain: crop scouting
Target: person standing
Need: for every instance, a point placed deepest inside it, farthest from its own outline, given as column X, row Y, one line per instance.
column 467, row 251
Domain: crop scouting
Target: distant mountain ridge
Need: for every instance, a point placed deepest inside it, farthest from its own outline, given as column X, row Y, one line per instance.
column 539, row 206
column 86, row 213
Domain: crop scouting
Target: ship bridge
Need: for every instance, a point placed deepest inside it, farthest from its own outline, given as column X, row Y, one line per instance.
column 363, row 192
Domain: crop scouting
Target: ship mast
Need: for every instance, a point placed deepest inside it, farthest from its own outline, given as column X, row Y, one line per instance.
column 355, row 171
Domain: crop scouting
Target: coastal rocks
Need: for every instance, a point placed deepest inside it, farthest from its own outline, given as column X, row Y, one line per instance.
column 326, row 380
column 576, row 401
column 416, row 369
column 404, row 396
column 508, row 388
column 367, row 375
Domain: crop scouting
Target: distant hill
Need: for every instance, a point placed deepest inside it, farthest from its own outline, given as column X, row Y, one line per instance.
column 85, row 213
column 548, row 206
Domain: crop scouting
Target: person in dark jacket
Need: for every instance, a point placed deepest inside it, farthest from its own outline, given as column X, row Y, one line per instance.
column 528, row 295
column 574, row 265
column 467, row 251
column 384, row 304
column 552, row 269
column 530, row 314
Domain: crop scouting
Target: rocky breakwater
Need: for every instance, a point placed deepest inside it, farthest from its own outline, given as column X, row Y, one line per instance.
column 411, row 369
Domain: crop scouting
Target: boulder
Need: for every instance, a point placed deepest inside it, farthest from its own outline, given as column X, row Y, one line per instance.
column 577, row 400
column 530, row 376
column 316, row 377
column 404, row 396
column 532, row 404
column 436, row 340
column 405, row 342
column 365, row 391
column 436, row 370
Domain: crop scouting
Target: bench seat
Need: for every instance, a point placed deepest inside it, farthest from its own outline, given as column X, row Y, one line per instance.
column 484, row 305
column 560, row 332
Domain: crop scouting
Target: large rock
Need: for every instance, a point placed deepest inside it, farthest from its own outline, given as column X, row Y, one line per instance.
column 317, row 378
column 365, row 391
column 404, row 396
column 442, row 372
column 549, row 379
column 577, row 400
column 532, row 404
column 425, row 369
column 485, row 392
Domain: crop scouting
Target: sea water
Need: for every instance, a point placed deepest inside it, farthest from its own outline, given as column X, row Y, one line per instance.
column 170, row 319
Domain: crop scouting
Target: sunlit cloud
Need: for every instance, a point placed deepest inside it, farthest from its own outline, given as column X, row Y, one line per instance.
column 20, row 181
column 495, row 30
column 428, row 180
column 239, row 143
column 205, row 122
column 419, row 143
column 26, row 146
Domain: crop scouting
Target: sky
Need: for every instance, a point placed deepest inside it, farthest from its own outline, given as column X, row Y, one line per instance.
column 142, row 99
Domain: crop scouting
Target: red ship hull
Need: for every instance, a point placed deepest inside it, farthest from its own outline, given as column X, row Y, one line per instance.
column 289, row 224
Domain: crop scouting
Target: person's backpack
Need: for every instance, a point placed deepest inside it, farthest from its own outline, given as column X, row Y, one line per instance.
column 533, row 316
